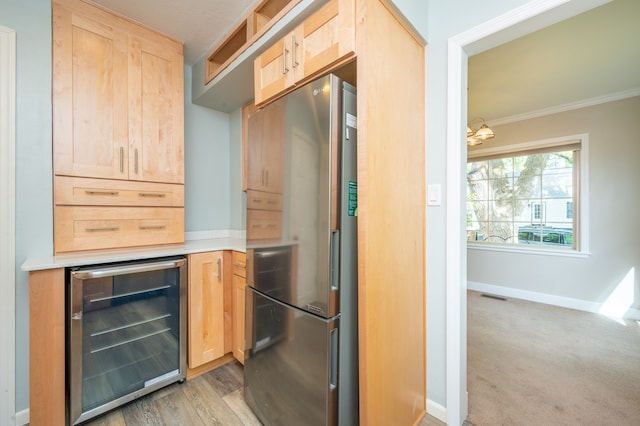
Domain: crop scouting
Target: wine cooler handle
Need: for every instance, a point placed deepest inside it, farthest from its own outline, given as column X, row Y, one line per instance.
column 127, row 269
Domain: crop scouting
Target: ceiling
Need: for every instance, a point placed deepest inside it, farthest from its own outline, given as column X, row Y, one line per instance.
column 588, row 56
column 199, row 24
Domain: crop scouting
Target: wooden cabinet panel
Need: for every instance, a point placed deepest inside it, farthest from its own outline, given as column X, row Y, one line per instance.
column 321, row 41
column 102, row 192
column 325, row 38
column 258, row 200
column 47, row 347
column 272, row 70
column 117, row 97
column 205, row 308
column 264, row 225
column 238, row 302
column 156, row 117
column 89, row 228
column 89, row 95
column 118, row 115
column 265, row 148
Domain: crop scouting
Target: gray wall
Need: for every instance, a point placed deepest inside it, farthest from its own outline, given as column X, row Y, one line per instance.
column 207, row 166
column 614, row 232
column 34, row 215
column 212, row 191
column 444, row 20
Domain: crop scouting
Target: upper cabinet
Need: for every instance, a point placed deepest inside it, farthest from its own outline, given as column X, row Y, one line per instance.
column 117, row 97
column 265, row 148
column 118, row 131
column 324, row 39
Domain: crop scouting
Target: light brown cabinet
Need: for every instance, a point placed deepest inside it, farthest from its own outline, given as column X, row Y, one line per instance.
column 118, row 124
column 322, row 40
column 239, row 270
column 265, row 148
column 264, row 169
column 205, row 307
column 117, row 96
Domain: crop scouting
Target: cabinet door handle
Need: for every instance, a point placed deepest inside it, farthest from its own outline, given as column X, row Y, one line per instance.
column 284, row 58
column 121, row 160
column 146, row 227
column 152, row 194
column 267, row 177
column 135, row 166
column 95, row 192
column 219, row 270
column 102, row 229
column 294, row 62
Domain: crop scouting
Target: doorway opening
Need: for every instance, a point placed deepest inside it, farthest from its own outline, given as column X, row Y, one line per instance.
column 528, row 18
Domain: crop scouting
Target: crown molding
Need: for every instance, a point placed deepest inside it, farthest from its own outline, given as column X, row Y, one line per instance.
column 616, row 96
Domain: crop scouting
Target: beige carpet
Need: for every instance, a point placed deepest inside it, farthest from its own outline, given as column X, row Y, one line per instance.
column 535, row 364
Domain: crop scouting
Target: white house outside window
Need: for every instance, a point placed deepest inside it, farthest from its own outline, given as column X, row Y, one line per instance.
column 526, row 197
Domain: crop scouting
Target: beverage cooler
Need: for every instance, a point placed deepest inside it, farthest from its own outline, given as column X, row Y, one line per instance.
column 126, row 332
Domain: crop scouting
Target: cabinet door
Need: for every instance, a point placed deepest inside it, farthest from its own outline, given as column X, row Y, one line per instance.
column 265, row 148
column 156, row 111
column 272, row 70
column 238, row 317
column 90, row 131
column 324, row 38
column 205, row 308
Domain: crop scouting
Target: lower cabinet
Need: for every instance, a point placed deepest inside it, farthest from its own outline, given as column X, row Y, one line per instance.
column 239, row 282
column 206, row 328
column 215, row 309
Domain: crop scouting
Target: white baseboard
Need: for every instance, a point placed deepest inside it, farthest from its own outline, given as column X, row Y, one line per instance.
column 549, row 299
column 216, row 233
column 22, row 417
column 436, row 410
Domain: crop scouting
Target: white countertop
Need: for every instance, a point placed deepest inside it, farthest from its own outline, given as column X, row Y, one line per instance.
column 133, row 253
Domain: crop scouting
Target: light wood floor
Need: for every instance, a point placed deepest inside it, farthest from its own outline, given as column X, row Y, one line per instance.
column 214, row 398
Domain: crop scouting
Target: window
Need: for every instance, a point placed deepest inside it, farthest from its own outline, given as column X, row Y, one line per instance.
column 524, row 197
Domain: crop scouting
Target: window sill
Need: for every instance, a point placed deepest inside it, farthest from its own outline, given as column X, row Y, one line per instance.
column 528, row 250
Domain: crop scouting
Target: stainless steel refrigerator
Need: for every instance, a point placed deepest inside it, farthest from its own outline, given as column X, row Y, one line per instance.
column 301, row 357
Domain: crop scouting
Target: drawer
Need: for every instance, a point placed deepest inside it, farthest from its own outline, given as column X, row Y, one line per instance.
column 76, row 191
column 259, row 200
column 89, row 228
column 264, row 225
column 239, row 264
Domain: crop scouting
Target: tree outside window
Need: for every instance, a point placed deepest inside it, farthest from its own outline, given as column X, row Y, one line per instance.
column 522, row 198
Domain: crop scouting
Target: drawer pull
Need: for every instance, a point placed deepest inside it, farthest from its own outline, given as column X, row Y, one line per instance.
column 102, row 229
column 144, row 227
column 239, row 265
column 95, row 192
column 152, row 194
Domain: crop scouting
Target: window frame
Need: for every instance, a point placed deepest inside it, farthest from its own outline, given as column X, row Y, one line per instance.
column 580, row 189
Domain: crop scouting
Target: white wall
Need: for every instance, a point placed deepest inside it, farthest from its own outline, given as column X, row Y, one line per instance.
column 614, row 231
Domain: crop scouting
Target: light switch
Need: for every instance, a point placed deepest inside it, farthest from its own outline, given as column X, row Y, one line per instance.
column 433, row 195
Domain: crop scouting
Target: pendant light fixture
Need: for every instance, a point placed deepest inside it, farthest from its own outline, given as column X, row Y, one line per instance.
column 483, row 133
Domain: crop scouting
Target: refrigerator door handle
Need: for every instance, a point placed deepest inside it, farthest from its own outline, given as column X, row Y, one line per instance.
column 333, row 361
column 335, row 260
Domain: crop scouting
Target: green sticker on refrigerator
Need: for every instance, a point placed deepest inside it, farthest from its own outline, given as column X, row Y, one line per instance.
column 352, row 208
